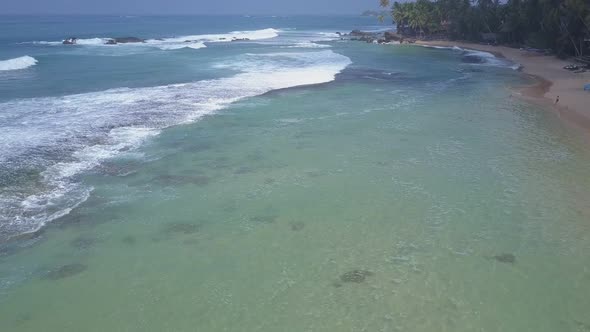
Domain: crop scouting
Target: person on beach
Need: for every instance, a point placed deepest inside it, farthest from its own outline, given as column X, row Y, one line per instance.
column 556, row 100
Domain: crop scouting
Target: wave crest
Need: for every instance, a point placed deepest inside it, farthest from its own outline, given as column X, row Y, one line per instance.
column 174, row 43
column 17, row 63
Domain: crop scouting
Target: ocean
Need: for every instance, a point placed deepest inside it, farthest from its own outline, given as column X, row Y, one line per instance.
column 259, row 173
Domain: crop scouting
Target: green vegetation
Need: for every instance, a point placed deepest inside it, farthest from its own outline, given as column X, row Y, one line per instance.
column 560, row 25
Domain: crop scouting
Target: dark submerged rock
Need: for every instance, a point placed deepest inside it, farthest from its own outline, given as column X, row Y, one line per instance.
column 505, row 258
column 118, row 168
column 297, row 226
column 313, row 174
column 265, row 219
column 83, row 242
column 129, row 240
column 356, row 276
column 243, row 170
column 179, row 180
column 125, row 40
column 65, row 271
column 181, row 228
column 582, row 326
column 70, row 41
column 111, row 42
column 23, row 318
column 8, row 250
column 257, row 156
column 200, row 180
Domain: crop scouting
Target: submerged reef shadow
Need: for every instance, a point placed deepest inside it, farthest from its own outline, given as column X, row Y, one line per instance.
column 244, row 170
column 181, row 180
column 129, row 240
column 505, row 258
column 118, row 168
column 10, row 246
column 355, row 276
column 297, row 226
column 181, row 228
column 65, row 271
column 265, row 219
column 83, row 242
column 22, row 318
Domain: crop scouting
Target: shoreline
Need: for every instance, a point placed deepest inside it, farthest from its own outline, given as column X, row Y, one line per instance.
column 551, row 81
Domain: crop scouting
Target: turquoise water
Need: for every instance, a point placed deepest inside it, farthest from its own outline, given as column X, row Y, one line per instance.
column 245, row 198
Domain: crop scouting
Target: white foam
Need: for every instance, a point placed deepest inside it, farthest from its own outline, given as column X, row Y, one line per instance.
column 489, row 59
column 190, row 41
column 72, row 134
column 92, row 41
column 17, row 63
column 328, row 35
column 308, row 44
column 178, row 46
column 226, row 37
column 442, row 47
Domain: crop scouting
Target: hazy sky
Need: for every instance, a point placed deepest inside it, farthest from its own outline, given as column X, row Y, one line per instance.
column 187, row 6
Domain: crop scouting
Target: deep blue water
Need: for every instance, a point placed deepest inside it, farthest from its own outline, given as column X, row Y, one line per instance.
column 83, row 69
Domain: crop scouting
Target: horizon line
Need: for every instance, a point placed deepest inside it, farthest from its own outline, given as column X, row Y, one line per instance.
column 183, row 14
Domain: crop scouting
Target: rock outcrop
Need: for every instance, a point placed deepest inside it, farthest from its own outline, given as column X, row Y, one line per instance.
column 390, row 36
column 70, row 41
column 377, row 37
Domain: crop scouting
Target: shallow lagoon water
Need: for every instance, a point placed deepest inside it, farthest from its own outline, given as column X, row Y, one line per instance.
column 465, row 208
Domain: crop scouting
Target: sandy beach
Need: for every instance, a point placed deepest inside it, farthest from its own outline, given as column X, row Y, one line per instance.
column 553, row 81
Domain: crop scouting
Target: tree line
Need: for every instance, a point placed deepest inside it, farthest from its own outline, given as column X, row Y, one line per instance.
column 560, row 25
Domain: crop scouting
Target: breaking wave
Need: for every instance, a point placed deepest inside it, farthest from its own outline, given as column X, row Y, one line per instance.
column 17, row 63
column 68, row 135
column 174, row 43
